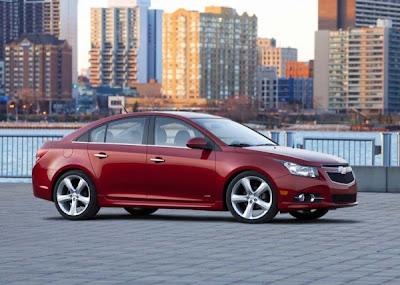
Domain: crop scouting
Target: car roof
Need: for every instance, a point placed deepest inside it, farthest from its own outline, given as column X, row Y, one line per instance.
column 188, row 115
column 177, row 114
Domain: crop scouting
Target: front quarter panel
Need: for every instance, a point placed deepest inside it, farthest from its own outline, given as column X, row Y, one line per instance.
column 229, row 163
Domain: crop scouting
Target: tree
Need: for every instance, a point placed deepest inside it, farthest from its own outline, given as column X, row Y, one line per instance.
column 240, row 109
column 136, row 106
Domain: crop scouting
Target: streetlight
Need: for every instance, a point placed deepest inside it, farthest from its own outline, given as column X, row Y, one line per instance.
column 24, row 110
column 12, row 107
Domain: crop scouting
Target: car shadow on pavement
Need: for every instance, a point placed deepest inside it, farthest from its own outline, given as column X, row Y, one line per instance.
column 319, row 221
column 208, row 219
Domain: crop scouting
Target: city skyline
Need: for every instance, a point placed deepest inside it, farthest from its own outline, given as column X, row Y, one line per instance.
column 292, row 27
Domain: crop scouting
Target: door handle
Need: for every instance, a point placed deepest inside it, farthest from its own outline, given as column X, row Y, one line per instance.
column 101, row 155
column 157, row 160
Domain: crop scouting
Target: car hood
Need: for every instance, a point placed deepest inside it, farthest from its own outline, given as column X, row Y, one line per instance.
column 298, row 155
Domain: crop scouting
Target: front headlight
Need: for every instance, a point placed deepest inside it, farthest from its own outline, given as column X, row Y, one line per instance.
column 301, row 170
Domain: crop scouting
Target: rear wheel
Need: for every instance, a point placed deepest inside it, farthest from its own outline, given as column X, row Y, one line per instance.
column 140, row 211
column 251, row 198
column 309, row 214
column 75, row 196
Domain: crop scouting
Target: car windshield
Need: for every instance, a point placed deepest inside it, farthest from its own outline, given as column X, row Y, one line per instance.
column 234, row 134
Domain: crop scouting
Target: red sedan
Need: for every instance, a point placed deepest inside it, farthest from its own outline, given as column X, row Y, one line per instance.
column 181, row 160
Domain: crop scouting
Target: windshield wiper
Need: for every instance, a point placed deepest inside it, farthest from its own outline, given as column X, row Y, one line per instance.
column 265, row 144
column 240, row 144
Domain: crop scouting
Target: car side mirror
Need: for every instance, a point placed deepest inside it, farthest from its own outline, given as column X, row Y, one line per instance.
column 198, row 143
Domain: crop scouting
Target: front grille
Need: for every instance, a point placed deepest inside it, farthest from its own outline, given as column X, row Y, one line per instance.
column 335, row 165
column 344, row 198
column 341, row 178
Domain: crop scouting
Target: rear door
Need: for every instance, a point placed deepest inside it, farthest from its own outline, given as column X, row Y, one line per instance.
column 117, row 152
column 178, row 173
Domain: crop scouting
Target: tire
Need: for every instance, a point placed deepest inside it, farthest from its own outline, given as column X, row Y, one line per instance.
column 140, row 211
column 75, row 196
column 308, row 215
column 251, row 198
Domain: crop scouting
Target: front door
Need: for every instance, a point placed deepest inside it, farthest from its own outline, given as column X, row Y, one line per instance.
column 179, row 174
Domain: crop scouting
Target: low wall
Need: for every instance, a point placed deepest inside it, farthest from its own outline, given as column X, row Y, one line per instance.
column 377, row 179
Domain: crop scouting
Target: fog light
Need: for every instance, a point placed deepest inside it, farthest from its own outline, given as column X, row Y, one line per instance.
column 308, row 198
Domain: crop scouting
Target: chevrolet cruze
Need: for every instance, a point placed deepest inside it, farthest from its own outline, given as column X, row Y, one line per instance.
column 184, row 160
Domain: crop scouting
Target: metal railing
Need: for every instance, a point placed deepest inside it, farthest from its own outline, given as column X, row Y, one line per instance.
column 18, row 154
column 354, row 151
column 357, row 152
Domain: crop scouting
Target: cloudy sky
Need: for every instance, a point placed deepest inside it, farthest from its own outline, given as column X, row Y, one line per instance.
column 291, row 22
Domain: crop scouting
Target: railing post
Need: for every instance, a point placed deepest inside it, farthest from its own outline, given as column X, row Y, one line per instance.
column 373, row 147
column 398, row 149
column 275, row 136
column 289, row 139
column 386, row 141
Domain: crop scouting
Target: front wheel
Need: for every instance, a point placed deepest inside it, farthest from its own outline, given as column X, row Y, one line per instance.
column 251, row 198
column 75, row 196
column 309, row 214
column 140, row 211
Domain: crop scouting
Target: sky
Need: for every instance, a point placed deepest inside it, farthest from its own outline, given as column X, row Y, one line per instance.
column 291, row 22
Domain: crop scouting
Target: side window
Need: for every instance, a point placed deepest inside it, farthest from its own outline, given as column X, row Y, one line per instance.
column 83, row 138
column 173, row 132
column 98, row 134
column 126, row 131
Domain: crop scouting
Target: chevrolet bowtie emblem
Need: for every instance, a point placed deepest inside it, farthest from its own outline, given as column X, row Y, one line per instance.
column 342, row 170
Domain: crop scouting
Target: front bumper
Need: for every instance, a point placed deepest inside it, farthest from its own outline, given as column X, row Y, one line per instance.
column 328, row 194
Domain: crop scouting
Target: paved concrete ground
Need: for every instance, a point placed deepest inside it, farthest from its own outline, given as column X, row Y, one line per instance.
column 359, row 245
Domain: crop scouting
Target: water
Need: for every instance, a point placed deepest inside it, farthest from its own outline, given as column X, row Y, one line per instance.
column 298, row 140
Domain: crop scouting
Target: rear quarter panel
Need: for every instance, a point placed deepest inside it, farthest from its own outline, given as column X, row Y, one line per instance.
column 60, row 158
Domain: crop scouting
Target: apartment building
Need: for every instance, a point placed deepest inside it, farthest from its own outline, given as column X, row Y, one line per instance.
column 38, row 71
column 298, row 69
column 344, row 14
column 271, row 55
column 125, row 44
column 363, row 69
column 210, row 55
column 61, row 20
column 18, row 17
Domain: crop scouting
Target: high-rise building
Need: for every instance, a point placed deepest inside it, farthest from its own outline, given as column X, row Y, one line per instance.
column 61, row 20
column 126, row 44
column 344, row 14
column 363, row 69
column 283, row 93
column 154, row 45
column 1, row 78
column 296, row 69
column 33, row 16
column 336, row 14
column 271, row 55
column 38, row 71
column 311, row 67
column 18, row 17
column 11, row 22
column 210, row 55
column 267, row 93
column 295, row 93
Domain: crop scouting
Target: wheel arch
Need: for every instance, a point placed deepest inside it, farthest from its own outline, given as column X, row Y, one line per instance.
column 65, row 170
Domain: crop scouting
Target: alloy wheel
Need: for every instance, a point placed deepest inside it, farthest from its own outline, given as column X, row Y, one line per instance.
column 251, row 197
column 73, row 195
